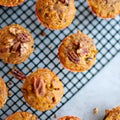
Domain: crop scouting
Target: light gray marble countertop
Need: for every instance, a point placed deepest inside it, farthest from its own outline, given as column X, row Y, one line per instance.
column 103, row 92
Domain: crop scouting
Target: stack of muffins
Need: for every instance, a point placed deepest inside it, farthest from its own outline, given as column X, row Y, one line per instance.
column 42, row 89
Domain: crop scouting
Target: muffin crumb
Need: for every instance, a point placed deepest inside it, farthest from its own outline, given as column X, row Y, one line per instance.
column 43, row 34
column 95, row 111
column 10, row 83
column 9, row 94
column 50, row 46
column 55, row 116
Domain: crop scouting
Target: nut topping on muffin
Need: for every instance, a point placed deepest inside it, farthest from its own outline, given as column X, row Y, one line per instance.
column 73, row 57
column 39, row 86
column 16, row 44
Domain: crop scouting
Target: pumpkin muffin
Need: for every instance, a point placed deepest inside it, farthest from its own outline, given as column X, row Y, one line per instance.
column 22, row 116
column 105, row 8
column 16, row 44
column 11, row 3
column 69, row 118
column 113, row 114
column 42, row 90
column 77, row 52
column 3, row 93
column 55, row 14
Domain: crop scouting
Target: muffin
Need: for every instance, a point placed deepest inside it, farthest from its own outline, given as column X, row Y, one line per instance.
column 16, row 44
column 11, row 3
column 69, row 118
column 77, row 52
column 42, row 90
column 55, row 14
column 3, row 93
column 113, row 114
column 105, row 8
column 22, row 116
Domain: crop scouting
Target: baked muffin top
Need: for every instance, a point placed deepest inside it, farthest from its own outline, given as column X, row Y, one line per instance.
column 11, row 3
column 3, row 93
column 42, row 89
column 77, row 52
column 22, row 116
column 16, row 44
column 113, row 114
column 105, row 8
column 55, row 14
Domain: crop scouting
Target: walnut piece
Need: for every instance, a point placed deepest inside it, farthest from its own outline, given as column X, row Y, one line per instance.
column 39, row 86
column 14, row 30
column 15, row 47
column 18, row 42
column 18, row 74
column 73, row 57
column 22, row 37
column 82, row 51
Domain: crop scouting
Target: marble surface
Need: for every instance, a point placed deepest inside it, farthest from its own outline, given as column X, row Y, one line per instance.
column 103, row 92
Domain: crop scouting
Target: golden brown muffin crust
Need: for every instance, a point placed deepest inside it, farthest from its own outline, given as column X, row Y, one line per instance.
column 113, row 114
column 69, row 118
column 16, row 44
column 42, row 89
column 77, row 52
column 55, row 14
column 22, row 116
column 105, row 8
column 11, row 3
column 3, row 93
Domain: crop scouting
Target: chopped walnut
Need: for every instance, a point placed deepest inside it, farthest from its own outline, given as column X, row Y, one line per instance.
column 22, row 37
column 15, row 47
column 73, row 57
column 14, row 30
column 17, row 44
column 39, row 86
column 18, row 74
column 82, row 51
column 24, row 48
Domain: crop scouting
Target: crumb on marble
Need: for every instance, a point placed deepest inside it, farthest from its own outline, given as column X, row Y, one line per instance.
column 95, row 111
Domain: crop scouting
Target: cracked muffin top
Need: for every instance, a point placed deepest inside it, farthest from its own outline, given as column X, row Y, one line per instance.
column 55, row 14
column 16, row 44
column 69, row 118
column 113, row 114
column 22, row 116
column 77, row 52
column 42, row 89
column 105, row 8
column 11, row 3
column 3, row 93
